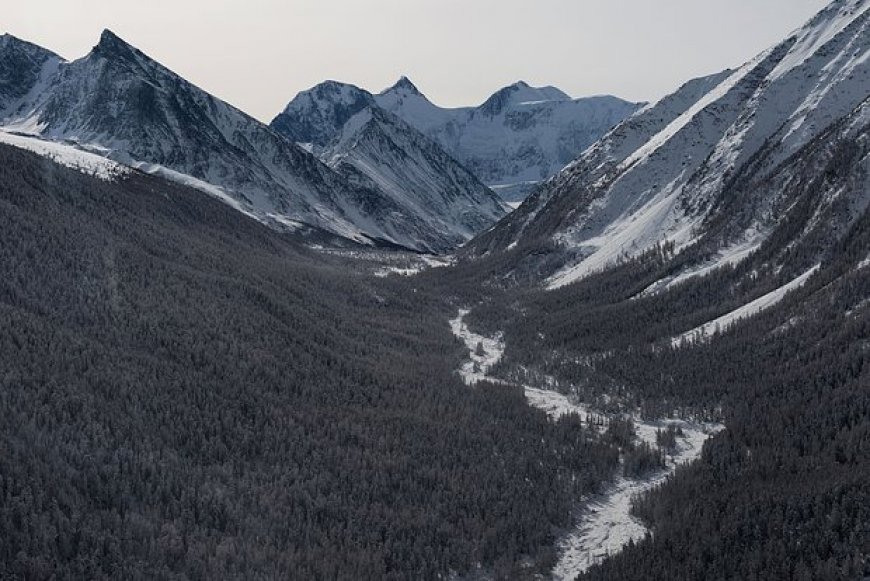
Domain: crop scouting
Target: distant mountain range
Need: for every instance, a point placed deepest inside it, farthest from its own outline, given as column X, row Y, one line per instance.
column 519, row 137
column 119, row 103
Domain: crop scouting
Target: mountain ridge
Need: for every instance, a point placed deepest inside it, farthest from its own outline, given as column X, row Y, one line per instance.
column 648, row 185
column 399, row 160
column 121, row 103
column 519, row 136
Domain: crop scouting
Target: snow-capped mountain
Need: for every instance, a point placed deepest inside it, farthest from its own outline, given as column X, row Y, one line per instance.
column 24, row 68
column 374, row 149
column 720, row 167
column 118, row 102
column 519, row 137
column 377, row 150
column 315, row 117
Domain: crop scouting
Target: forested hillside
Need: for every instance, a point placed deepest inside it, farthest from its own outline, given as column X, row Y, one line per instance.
column 188, row 394
column 783, row 493
column 666, row 346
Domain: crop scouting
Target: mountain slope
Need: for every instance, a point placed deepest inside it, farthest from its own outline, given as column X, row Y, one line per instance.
column 671, row 184
column 195, row 395
column 24, row 68
column 520, row 136
column 316, row 116
column 378, row 150
column 443, row 204
column 599, row 160
column 118, row 102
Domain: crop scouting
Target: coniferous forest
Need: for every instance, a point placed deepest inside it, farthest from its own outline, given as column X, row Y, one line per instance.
column 784, row 492
column 528, row 336
column 185, row 393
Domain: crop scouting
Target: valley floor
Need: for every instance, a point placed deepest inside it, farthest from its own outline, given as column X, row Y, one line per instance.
column 605, row 524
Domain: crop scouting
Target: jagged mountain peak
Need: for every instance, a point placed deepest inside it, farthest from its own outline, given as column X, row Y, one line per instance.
column 316, row 115
column 107, row 37
column 7, row 39
column 127, row 106
column 524, row 92
column 333, row 88
column 123, row 58
column 23, row 65
column 112, row 44
column 10, row 42
column 329, row 94
column 403, row 85
column 441, row 203
column 512, row 152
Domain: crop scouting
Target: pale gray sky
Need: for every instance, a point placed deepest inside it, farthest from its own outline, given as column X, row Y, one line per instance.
column 257, row 54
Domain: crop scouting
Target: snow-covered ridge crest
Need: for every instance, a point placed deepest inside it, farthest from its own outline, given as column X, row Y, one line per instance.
column 380, row 150
column 703, row 169
column 516, row 138
column 707, row 330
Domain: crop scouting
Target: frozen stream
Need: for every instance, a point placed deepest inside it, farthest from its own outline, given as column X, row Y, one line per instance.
column 606, row 524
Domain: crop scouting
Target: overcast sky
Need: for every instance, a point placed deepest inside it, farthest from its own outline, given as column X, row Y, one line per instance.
column 257, row 54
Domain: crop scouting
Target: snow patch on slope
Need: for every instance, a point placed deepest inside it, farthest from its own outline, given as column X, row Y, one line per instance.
column 198, row 184
column 678, row 124
column 810, row 39
column 748, row 310
column 635, row 231
column 67, row 155
column 519, row 137
column 728, row 256
column 613, row 204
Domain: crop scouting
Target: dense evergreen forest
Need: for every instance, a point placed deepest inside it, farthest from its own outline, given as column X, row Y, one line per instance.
column 185, row 393
column 784, row 492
